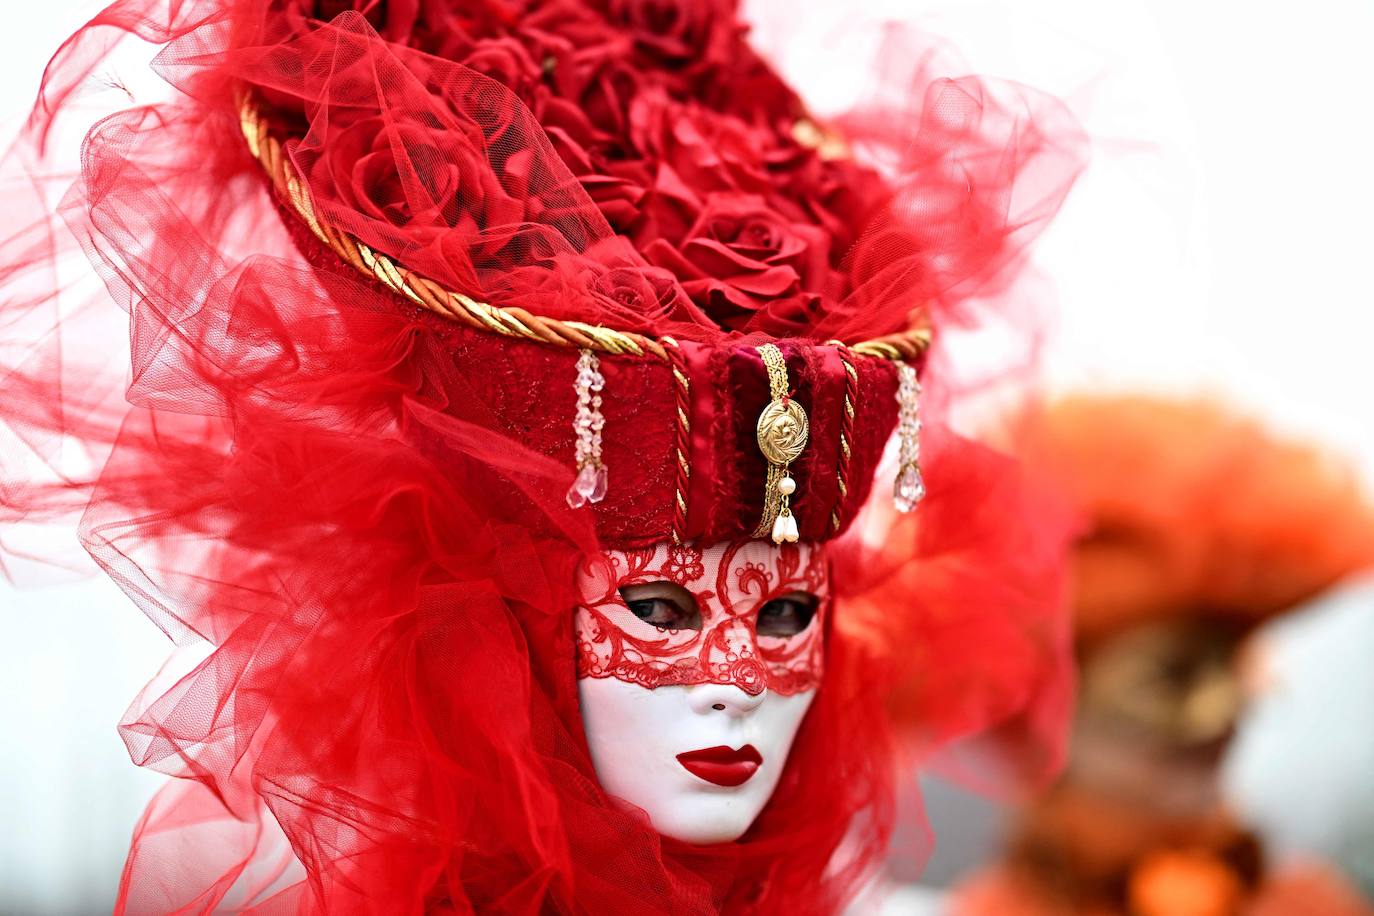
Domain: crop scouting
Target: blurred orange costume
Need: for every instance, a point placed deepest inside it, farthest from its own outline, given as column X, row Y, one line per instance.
column 1197, row 526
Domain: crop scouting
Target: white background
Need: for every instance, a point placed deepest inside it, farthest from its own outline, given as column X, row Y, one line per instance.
column 1220, row 242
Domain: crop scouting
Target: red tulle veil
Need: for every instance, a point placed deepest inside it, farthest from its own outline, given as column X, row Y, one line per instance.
column 348, row 510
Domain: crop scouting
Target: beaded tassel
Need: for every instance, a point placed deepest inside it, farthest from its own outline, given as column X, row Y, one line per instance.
column 590, row 484
column 910, row 487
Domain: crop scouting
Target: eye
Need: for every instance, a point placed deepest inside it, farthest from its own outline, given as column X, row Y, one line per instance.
column 660, row 613
column 788, row 615
column 663, row 604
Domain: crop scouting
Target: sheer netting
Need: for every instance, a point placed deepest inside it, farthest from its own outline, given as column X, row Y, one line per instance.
column 299, row 482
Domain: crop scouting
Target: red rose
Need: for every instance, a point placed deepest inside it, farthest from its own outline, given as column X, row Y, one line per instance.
column 707, row 150
column 588, row 70
column 596, row 92
column 645, row 293
column 741, row 257
column 503, row 59
column 394, row 20
column 430, row 180
column 693, row 34
column 685, row 153
column 839, row 196
column 619, row 197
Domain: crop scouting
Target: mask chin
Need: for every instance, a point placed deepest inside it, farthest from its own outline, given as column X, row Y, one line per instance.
column 700, row 761
column 700, row 827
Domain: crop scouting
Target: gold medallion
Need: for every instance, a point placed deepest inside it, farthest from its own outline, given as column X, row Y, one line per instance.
column 782, row 431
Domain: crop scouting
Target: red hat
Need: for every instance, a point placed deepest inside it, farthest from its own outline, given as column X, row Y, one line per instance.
column 788, row 255
column 427, row 301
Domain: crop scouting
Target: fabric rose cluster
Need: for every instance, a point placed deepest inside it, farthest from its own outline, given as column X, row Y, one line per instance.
column 689, row 144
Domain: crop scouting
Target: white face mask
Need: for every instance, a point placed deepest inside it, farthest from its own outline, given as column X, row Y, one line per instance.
column 696, row 667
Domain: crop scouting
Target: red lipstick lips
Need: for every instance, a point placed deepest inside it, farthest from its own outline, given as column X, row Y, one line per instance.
column 722, row 765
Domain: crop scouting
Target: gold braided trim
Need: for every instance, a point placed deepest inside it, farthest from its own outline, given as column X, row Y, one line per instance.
column 776, row 365
column 851, row 382
column 511, row 322
column 682, row 439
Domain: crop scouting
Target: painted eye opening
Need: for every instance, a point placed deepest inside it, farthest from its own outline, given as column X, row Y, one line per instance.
column 787, row 615
column 665, row 605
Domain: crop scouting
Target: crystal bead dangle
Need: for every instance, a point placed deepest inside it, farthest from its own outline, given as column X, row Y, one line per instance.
column 910, row 487
column 590, row 483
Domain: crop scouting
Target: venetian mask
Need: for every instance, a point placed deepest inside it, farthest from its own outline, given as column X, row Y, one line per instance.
column 695, row 669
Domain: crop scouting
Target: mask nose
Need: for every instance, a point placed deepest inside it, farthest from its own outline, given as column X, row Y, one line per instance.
column 723, row 698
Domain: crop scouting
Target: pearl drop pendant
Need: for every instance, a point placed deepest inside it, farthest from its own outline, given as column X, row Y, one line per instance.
column 785, row 528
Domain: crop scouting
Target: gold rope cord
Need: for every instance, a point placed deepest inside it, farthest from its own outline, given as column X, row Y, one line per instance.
column 851, row 388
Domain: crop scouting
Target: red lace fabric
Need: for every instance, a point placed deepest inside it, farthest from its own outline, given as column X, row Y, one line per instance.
column 730, row 583
column 308, row 488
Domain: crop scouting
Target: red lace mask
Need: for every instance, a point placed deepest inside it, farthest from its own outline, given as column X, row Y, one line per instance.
column 745, row 613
